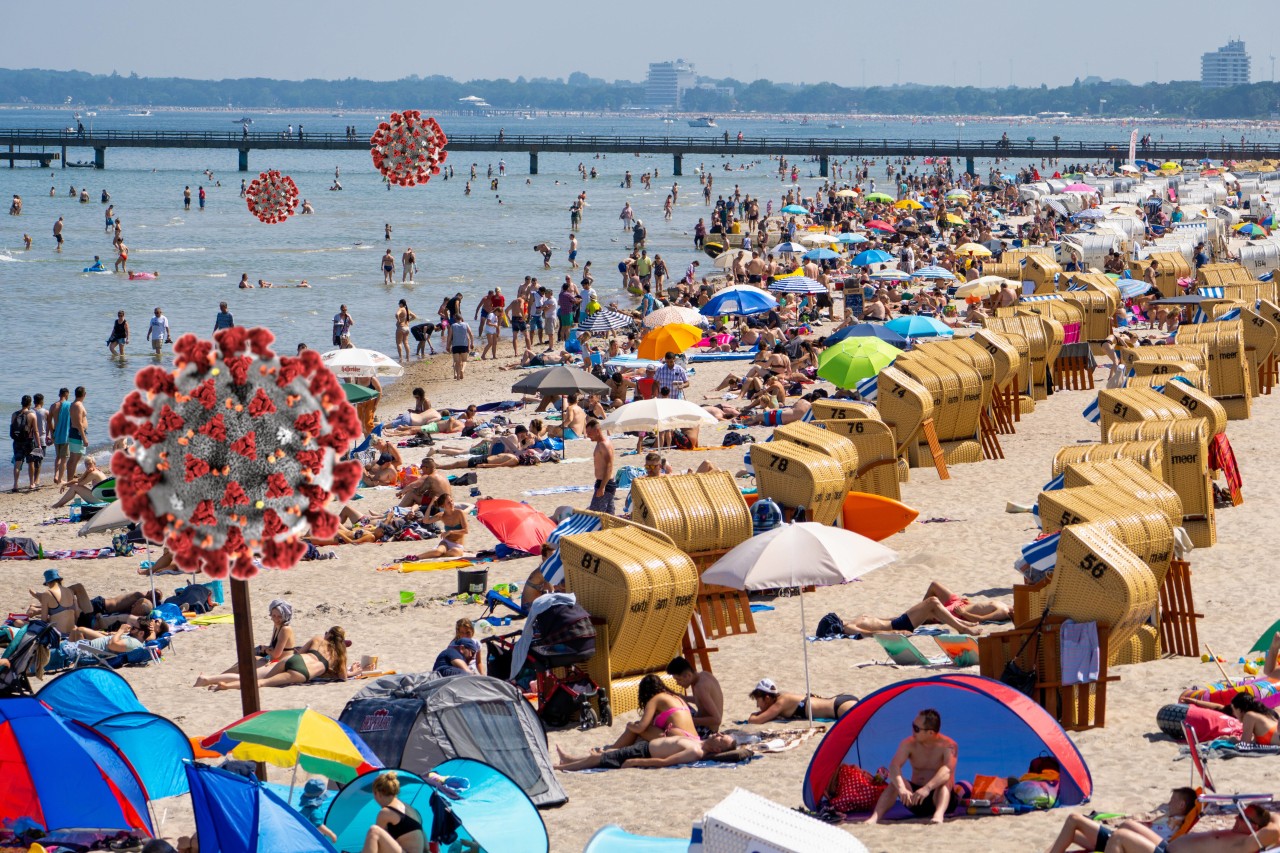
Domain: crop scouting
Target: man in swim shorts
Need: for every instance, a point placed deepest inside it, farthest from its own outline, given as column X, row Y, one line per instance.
column 78, row 434
column 924, row 612
column 932, row 756
column 659, row 752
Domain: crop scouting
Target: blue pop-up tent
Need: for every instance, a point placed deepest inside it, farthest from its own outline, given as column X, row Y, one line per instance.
column 239, row 815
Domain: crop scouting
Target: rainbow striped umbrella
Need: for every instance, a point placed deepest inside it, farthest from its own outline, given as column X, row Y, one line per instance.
column 297, row 737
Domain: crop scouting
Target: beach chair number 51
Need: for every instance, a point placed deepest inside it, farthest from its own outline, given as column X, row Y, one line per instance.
column 592, row 563
column 1120, row 409
column 779, row 463
column 1093, row 565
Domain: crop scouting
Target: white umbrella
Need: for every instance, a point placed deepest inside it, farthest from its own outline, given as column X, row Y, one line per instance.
column 788, row 249
column 799, row 555
column 657, row 414
column 360, row 363
column 110, row 517
column 724, row 260
column 674, row 314
column 818, row 239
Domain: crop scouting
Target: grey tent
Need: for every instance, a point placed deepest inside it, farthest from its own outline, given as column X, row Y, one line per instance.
column 417, row 721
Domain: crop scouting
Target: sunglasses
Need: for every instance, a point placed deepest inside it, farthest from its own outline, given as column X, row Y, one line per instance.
column 919, row 729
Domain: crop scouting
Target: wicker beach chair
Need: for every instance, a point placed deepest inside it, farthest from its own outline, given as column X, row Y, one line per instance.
column 824, row 441
column 1184, row 466
column 1145, row 529
column 1261, row 335
column 1128, row 481
column 1131, row 405
column 1172, row 267
column 642, row 592
column 796, row 476
column 1036, row 351
column 839, row 410
column 1227, row 363
column 877, row 455
column 1149, row 454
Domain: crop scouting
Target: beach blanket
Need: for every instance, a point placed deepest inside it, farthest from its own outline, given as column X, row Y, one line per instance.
column 558, row 490
column 433, row 565
column 700, row 357
column 213, row 619
column 81, row 554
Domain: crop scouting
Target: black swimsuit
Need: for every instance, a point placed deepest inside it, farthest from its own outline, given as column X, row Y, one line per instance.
column 404, row 825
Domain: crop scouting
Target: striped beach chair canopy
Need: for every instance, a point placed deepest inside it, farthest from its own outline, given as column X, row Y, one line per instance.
column 1040, row 556
column 552, row 569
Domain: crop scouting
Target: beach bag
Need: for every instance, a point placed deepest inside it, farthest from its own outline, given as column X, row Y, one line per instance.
column 193, row 597
column 989, row 788
column 1024, row 680
column 855, row 790
column 830, row 625
column 18, row 426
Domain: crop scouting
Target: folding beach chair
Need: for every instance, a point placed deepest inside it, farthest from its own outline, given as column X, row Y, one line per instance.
column 901, row 650
column 962, row 650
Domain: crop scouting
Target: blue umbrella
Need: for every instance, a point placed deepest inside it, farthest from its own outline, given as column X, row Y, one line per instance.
column 934, row 274
column 820, row 255
column 871, row 256
column 797, row 284
column 796, row 209
column 867, row 330
column 851, row 238
column 739, row 299
column 915, row 326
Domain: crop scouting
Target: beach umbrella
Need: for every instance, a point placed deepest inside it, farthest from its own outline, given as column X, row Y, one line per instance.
column 1170, row 166
column 934, row 273
column 866, row 330
column 516, row 525
column 296, row 737
column 955, row 219
column 789, row 249
column 358, row 393
column 881, row 225
column 724, row 260
column 110, row 517
column 1080, row 188
column 908, row 204
column 958, row 194
column 1091, row 213
column 360, row 363
column 739, row 299
column 915, row 326
column 852, row 238
column 795, row 209
column 879, row 197
column 799, row 555
column 988, row 285
column 64, row 775
column 1268, row 221
column 1251, row 229
column 797, row 284
column 889, row 275
column 657, row 414
column 676, row 337
column 1130, row 168
column 238, row 814
column 820, row 255
column 854, row 359
column 973, row 249
column 561, row 379
column 847, row 194
column 605, row 320
column 871, row 256
column 673, row 314
column 818, row 238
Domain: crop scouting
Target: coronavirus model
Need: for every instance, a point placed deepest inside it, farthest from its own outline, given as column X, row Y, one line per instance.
column 272, row 197
column 232, row 456
column 408, row 149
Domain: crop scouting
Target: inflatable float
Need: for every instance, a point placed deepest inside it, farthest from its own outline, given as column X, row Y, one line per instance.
column 1265, row 690
column 97, row 268
column 875, row 516
column 143, row 276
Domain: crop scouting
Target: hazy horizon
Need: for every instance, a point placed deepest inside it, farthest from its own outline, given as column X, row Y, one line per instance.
column 987, row 45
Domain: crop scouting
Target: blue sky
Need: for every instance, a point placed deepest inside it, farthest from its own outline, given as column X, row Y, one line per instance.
column 868, row 41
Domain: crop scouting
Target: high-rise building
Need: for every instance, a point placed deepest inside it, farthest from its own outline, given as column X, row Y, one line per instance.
column 667, row 83
column 1226, row 66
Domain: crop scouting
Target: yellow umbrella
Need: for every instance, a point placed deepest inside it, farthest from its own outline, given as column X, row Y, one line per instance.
column 973, row 249
column 908, row 204
column 988, row 285
column 676, row 337
column 955, row 219
column 1170, row 166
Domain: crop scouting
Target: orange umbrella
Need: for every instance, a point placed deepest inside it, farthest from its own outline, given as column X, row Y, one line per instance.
column 675, row 337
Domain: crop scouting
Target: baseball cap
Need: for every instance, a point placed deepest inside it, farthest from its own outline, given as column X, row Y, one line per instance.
column 467, row 643
column 766, row 685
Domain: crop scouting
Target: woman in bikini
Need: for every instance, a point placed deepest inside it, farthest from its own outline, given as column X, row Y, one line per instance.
column 454, row 522
column 1258, row 721
column 398, row 827
column 320, row 657
column 666, row 714
column 773, row 704
column 403, row 318
column 282, row 641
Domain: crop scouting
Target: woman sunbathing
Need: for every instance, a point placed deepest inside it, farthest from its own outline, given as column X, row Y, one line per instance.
column 320, row 657
column 282, row 642
column 1258, row 721
column 773, row 704
column 969, row 611
column 125, row 638
column 1258, row 829
column 1080, row 831
column 921, row 613
column 454, row 522
column 666, row 714
column 420, row 415
column 386, row 469
column 82, row 487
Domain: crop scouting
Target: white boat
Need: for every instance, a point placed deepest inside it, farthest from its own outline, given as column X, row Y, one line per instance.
column 143, row 114
column 835, row 126
column 703, row 121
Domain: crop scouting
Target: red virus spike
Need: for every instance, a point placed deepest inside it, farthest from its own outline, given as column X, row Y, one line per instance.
column 278, row 486
column 215, row 428
column 246, row 446
column 261, row 404
column 195, row 468
column 234, row 495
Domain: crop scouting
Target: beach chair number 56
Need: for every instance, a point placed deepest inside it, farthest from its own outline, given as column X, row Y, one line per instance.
column 779, row 463
column 592, row 563
column 1093, row 565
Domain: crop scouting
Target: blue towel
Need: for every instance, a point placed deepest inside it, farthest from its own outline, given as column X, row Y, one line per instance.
column 1079, row 645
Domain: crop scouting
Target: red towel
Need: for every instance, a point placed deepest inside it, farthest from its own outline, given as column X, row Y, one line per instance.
column 1222, row 458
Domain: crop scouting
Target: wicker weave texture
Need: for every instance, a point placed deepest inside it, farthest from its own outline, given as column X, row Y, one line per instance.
column 1130, row 405
column 1192, row 353
column 700, row 512
column 1142, row 647
column 1224, row 344
column 1198, row 404
column 1128, row 479
column 839, row 410
column 1185, row 458
column 1004, row 355
column 1149, row 454
column 824, row 441
column 1098, row 310
column 903, row 403
column 874, row 442
column 795, row 476
column 1145, row 529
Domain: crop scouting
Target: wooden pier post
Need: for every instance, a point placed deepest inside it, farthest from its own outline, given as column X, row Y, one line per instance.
column 100, row 157
column 533, row 161
column 677, row 164
column 244, row 159
column 824, row 166
column 64, row 156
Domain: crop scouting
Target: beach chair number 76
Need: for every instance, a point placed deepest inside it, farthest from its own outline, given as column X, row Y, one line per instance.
column 1093, row 565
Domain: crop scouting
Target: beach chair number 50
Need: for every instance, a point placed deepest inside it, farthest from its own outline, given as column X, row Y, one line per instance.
column 1093, row 565
column 592, row 563
column 779, row 463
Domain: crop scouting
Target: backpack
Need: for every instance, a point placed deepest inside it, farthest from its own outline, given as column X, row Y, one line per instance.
column 18, row 426
column 194, row 597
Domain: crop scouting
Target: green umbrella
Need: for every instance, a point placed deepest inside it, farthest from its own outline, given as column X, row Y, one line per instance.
column 855, row 359
column 358, row 393
column 887, row 199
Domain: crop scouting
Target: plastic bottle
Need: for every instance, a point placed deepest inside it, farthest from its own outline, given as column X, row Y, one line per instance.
column 75, row 510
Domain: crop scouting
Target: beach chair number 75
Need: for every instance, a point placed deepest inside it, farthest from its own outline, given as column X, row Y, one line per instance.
column 1093, row 565
column 592, row 563
column 779, row 463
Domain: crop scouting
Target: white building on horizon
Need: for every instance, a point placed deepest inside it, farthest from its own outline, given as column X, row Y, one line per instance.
column 1226, row 66
column 667, row 82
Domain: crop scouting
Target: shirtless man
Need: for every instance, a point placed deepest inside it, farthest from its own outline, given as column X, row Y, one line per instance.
column 604, row 497
column 755, row 269
column 932, row 756
column 573, row 423
column 921, row 613
column 659, row 752
column 426, row 489
column 703, row 688
column 79, row 435
column 1006, row 297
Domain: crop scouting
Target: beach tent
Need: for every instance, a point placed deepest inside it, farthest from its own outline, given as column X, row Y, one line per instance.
column 419, row 720
column 90, row 694
column 997, row 730
column 63, row 775
column 492, row 810
column 235, row 814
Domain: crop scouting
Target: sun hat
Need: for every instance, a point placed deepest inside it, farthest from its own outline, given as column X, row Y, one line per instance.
column 51, row 575
column 766, row 685
column 313, row 792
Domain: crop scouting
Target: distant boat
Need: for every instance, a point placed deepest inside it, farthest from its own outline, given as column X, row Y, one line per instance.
column 91, row 113
column 143, row 114
column 836, row 126
column 245, row 120
column 703, row 121
column 339, row 115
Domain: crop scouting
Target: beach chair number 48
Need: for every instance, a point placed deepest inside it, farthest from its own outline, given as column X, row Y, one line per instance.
column 1093, row 566
column 592, row 563
column 779, row 462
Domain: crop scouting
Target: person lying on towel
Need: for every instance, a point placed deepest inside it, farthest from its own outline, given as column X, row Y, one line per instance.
column 659, row 752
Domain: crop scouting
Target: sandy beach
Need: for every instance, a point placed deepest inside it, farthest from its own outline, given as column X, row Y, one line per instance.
column 970, row 547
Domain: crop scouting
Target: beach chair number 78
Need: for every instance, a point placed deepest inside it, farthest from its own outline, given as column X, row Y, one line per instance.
column 1093, row 565
column 779, row 463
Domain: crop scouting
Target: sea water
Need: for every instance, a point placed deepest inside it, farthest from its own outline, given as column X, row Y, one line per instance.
column 56, row 318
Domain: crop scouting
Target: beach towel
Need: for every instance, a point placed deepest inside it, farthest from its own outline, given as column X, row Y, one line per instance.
column 213, row 619
column 80, row 554
column 1078, row 642
column 1223, row 458
column 558, row 490
column 432, row 565
column 1039, row 558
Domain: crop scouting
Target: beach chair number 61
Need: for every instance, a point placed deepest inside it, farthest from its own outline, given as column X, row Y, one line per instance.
column 1093, row 565
column 588, row 562
column 779, row 463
